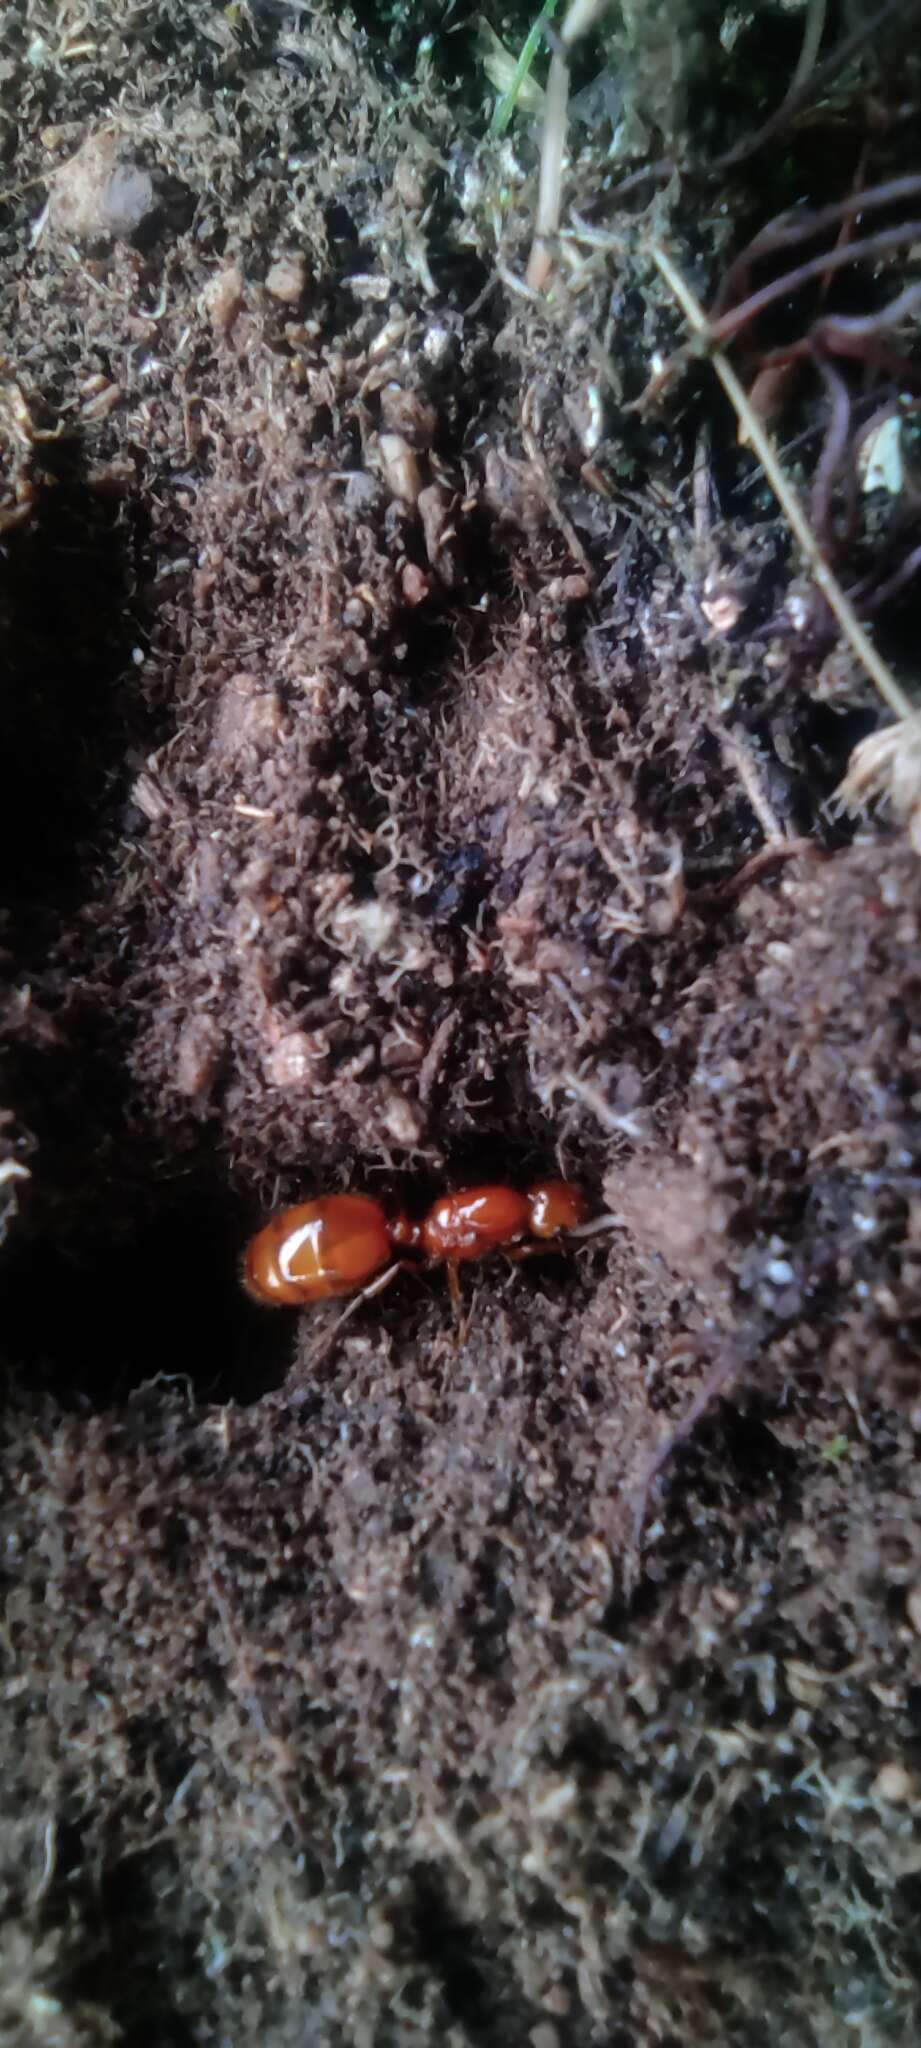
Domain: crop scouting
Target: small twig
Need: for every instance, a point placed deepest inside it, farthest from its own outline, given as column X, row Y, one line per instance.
column 435, row 1056
column 548, row 493
column 658, row 173
column 14, row 191
column 594, row 1100
column 736, row 755
column 761, row 863
column 877, row 669
column 702, row 483
column 717, row 1379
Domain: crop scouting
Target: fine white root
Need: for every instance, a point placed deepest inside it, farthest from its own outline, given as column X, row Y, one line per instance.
column 596, row 1226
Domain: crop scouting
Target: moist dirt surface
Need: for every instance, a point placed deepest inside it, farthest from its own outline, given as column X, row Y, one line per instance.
column 418, row 768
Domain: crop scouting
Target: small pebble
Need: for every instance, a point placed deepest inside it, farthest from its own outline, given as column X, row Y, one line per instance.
column 893, row 1783
column 287, row 279
column 101, row 192
column 400, row 468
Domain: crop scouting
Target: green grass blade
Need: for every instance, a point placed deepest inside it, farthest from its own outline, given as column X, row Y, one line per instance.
column 505, row 107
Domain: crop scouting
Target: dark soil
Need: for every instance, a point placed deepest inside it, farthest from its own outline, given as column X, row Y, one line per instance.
column 412, row 777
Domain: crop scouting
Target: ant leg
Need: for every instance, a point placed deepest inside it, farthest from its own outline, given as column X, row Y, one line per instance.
column 325, row 1344
column 532, row 1248
column 461, row 1324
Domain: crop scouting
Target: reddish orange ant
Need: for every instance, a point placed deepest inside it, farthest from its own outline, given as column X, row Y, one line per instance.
column 336, row 1245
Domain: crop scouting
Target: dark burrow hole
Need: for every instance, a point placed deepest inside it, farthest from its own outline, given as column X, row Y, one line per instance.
column 732, row 1445
column 66, row 713
column 477, row 1990
column 89, row 1326
column 135, row 1967
column 88, row 1323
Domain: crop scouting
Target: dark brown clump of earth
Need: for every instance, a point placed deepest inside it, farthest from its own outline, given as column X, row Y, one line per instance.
column 419, row 769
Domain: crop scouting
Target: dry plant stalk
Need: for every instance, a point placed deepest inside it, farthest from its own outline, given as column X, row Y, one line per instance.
column 580, row 17
column 889, row 762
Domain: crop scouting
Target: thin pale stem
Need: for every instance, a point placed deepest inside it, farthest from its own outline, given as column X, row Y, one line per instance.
column 550, row 191
column 812, row 36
